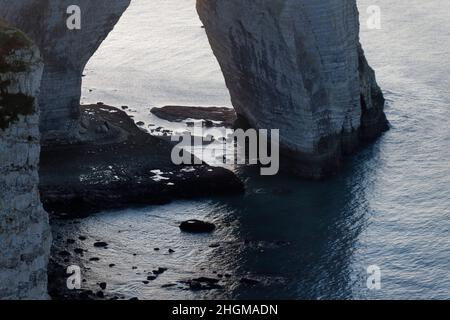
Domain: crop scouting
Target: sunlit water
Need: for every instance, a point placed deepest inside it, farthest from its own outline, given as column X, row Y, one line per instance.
column 389, row 207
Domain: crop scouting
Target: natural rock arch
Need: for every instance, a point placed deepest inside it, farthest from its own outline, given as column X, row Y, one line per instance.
column 293, row 65
column 298, row 66
column 65, row 52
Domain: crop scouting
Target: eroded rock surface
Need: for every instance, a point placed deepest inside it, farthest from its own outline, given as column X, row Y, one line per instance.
column 65, row 53
column 293, row 65
column 298, row 66
column 24, row 229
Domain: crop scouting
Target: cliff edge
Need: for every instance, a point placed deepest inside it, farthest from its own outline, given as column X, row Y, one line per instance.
column 24, row 229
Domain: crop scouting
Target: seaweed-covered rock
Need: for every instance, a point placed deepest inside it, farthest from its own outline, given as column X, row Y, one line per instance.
column 197, row 226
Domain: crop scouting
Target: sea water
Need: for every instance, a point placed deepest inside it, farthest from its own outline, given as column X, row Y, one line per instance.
column 389, row 208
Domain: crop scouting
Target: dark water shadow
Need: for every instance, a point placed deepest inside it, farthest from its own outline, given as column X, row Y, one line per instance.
column 297, row 238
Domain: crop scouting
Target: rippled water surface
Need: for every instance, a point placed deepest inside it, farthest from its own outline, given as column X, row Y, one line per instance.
column 390, row 206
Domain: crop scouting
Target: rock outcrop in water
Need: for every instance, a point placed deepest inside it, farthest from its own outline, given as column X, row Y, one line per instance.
column 298, row 66
column 65, row 53
column 24, row 229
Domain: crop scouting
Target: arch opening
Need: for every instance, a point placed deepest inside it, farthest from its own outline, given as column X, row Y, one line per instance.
column 293, row 72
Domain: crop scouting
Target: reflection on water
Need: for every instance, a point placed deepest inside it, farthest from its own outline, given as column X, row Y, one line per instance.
column 297, row 239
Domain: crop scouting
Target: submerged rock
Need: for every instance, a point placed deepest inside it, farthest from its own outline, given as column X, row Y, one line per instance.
column 224, row 116
column 249, row 282
column 100, row 244
column 135, row 170
column 64, row 253
column 78, row 251
column 202, row 283
column 197, row 226
column 159, row 271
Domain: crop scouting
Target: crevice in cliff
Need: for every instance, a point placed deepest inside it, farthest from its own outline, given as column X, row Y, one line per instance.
column 13, row 105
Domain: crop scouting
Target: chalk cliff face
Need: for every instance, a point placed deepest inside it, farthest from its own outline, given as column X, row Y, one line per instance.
column 298, row 66
column 65, row 53
column 293, row 65
column 24, row 229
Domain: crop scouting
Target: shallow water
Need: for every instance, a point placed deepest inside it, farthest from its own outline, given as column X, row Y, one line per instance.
column 390, row 206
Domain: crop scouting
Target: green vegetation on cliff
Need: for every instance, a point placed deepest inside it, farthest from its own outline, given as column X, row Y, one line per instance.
column 12, row 105
column 10, row 41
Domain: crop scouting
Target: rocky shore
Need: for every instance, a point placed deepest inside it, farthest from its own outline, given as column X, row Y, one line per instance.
column 120, row 165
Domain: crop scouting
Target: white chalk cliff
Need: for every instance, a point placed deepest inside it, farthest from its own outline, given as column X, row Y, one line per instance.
column 298, row 66
column 24, row 228
column 66, row 53
column 293, row 65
